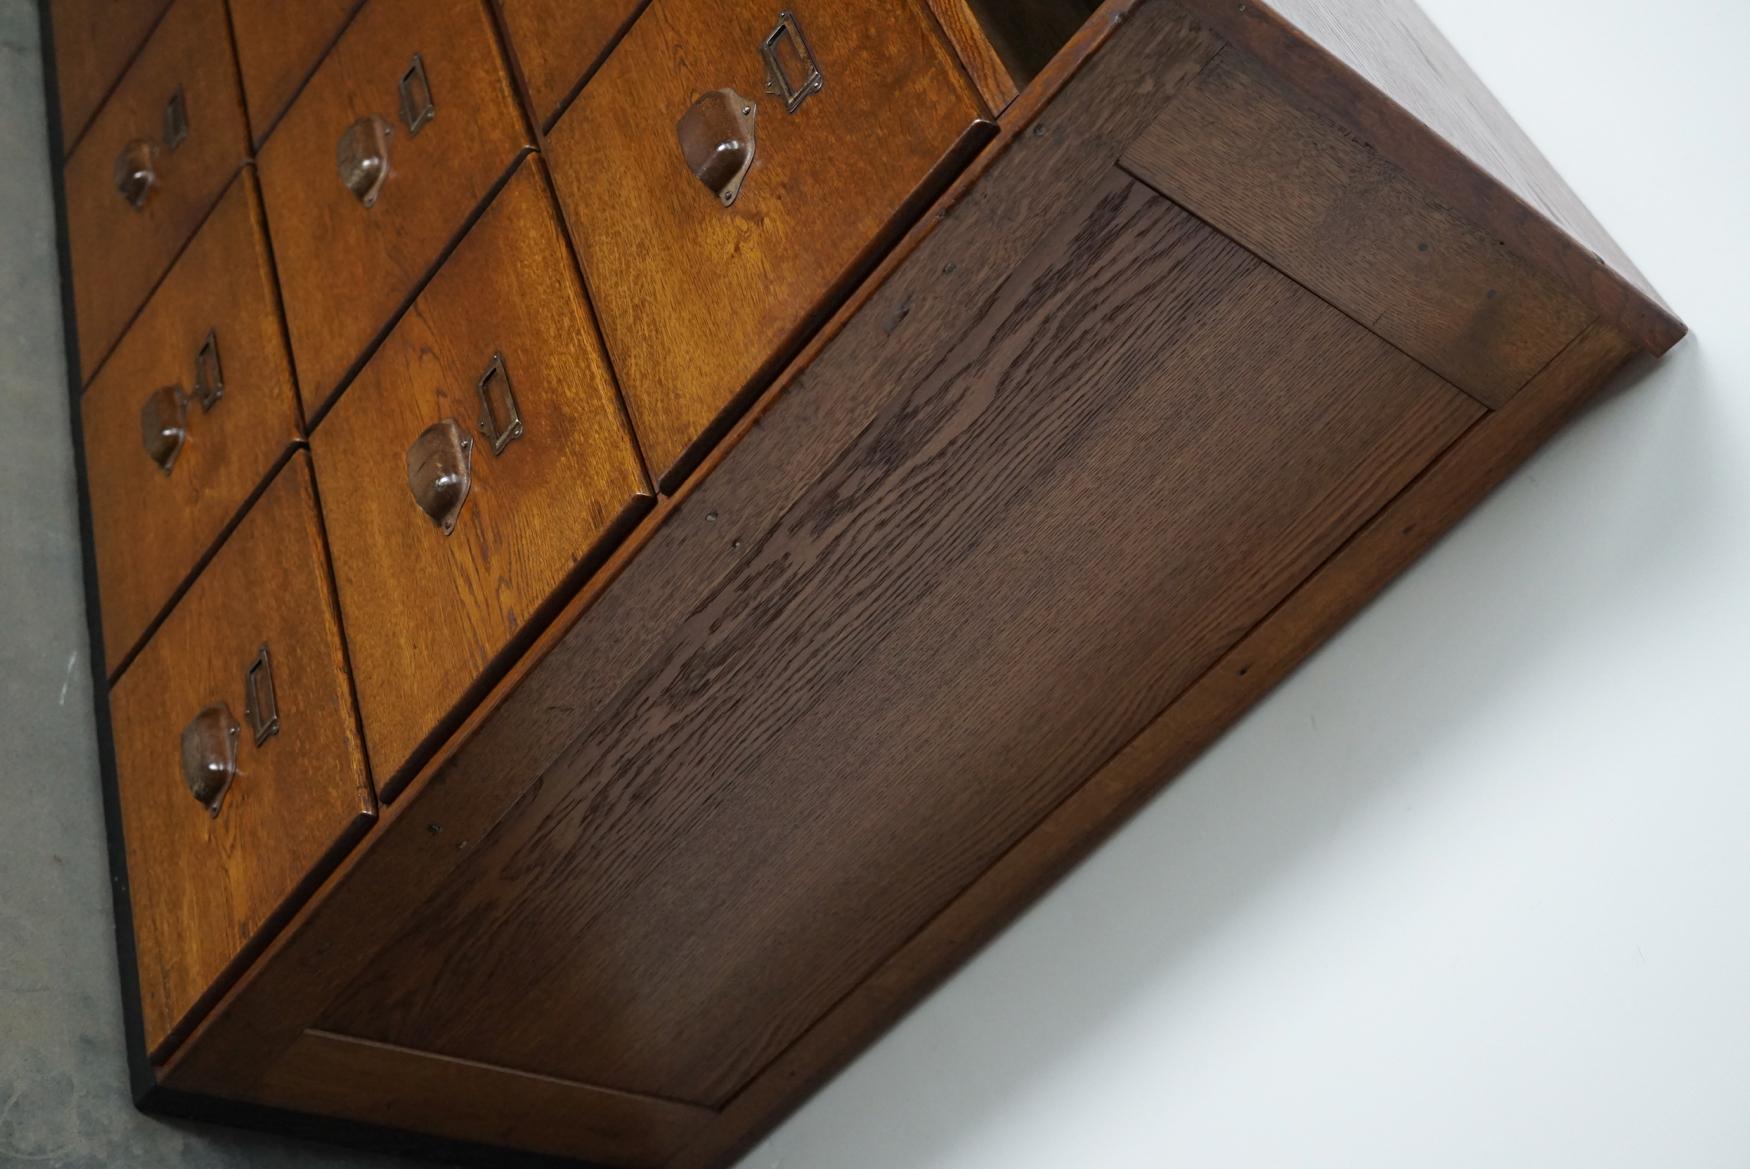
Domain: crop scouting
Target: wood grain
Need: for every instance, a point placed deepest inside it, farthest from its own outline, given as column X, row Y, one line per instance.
column 94, row 41
column 278, row 46
column 427, row 614
column 559, row 43
column 347, row 271
column 330, row 1075
column 117, row 253
column 150, row 530
column 1321, row 206
column 1384, row 70
column 700, row 303
column 1388, row 544
column 978, row 56
column 208, row 891
column 1110, row 82
column 909, row 668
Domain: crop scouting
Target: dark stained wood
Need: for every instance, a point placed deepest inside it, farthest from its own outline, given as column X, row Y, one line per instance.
column 701, row 303
column 1334, row 215
column 1388, row 544
column 150, row 530
column 1383, row 69
column 427, row 614
column 1102, row 91
column 331, row 1075
column 990, row 76
column 558, row 43
column 94, row 40
column 346, row 271
column 278, row 46
column 119, row 253
column 909, row 668
column 207, row 891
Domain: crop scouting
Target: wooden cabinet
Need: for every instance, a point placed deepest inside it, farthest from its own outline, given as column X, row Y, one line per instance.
column 155, row 159
column 397, row 140
column 991, row 402
column 238, row 755
column 494, row 376
column 187, row 419
column 94, row 41
column 278, row 46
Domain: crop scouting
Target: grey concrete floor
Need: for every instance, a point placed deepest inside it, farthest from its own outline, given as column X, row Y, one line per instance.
column 63, row 1081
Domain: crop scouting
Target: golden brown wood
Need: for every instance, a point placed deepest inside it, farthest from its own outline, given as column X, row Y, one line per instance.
column 330, row 1075
column 150, row 530
column 208, row 891
column 1383, row 69
column 1390, row 542
column 977, row 54
column 94, row 40
column 559, row 43
column 699, row 302
column 118, row 252
column 347, row 270
column 428, row 614
column 1309, row 198
column 279, row 45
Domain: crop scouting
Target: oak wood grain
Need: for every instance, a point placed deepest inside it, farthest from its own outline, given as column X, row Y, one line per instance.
column 1101, row 91
column 909, row 668
column 278, row 46
column 346, row 271
column 208, row 891
column 331, row 1075
column 118, row 253
column 700, row 303
column 978, row 55
column 1331, row 213
column 1343, row 585
column 427, row 614
column 150, row 530
column 94, row 41
column 1383, row 69
column 559, row 43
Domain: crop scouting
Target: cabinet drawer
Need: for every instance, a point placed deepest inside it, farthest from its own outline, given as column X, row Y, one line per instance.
column 557, row 42
column 278, row 46
column 701, row 294
column 246, row 677
column 415, row 107
column 187, row 418
column 175, row 123
column 429, row 607
column 93, row 41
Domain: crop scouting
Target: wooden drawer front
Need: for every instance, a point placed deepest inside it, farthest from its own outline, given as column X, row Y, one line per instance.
column 557, row 42
column 346, row 269
column 150, row 527
column 278, row 46
column 207, row 889
column 699, row 300
column 119, row 251
column 93, row 41
column 428, row 613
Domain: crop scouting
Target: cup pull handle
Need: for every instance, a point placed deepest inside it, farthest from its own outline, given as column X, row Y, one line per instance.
column 717, row 141
column 164, row 425
column 440, row 470
column 209, row 756
column 136, row 171
column 362, row 157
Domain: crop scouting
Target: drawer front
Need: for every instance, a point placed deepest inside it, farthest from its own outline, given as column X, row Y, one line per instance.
column 187, row 418
column 245, row 678
column 175, row 125
column 700, row 296
column 557, row 42
column 428, row 610
column 93, row 41
column 278, row 46
column 351, row 256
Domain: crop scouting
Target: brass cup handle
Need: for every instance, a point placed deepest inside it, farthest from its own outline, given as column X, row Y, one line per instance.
column 164, row 425
column 136, row 171
column 440, row 471
column 362, row 157
column 209, row 756
column 716, row 136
